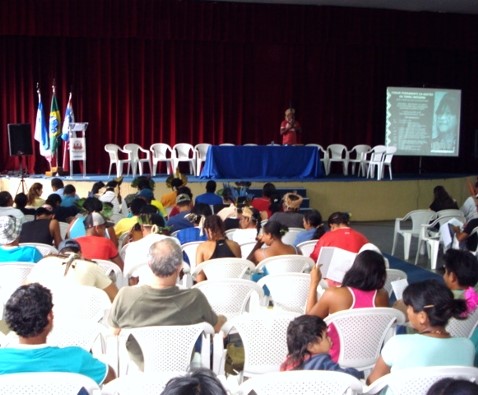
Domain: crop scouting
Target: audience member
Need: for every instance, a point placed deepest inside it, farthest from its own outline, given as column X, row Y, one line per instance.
column 210, row 196
column 464, row 237
column 179, row 221
column 10, row 250
column 148, row 196
column 442, row 200
column 290, row 217
column 43, row 229
column 161, row 302
column 362, row 286
column 308, row 345
column 62, row 214
column 6, row 207
column 313, row 225
column 34, row 199
column 430, row 305
column 216, row 246
column 197, row 382
column 169, row 199
column 95, row 189
column 469, row 205
column 29, row 314
column 250, row 225
column 95, row 245
column 69, row 197
column 57, row 186
column 263, row 203
column 340, row 235
column 125, row 224
column 110, row 196
column 69, row 267
column 181, row 190
column 451, row 386
column 197, row 216
column 21, row 204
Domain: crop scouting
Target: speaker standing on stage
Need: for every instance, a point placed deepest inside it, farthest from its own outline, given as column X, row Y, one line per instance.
column 289, row 128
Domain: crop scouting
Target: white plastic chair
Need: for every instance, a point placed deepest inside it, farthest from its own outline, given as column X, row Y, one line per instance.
column 63, row 229
column 291, row 235
column 463, row 328
column 190, row 250
column 362, row 333
column 221, row 268
column 227, row 145
column 359, row 158
column 374, row 161
column 317, row 382
column 201, row 154
column 285, row 264
column 137, row 155
column 288, row 291
column 264, row 338
column 45, row 249
column 249, row 145
column 162, row 152
column 418, row 380
column 324, row 157
column 112, row 270
column 418, row 218
column 307, row 247
column 393, row 275
column 184, row 152
column 118, row 158
column 246, row 248
column 231, row 296
column 12, row 275
column 387, row 161
column 139, row 383
column 338, row 153
column 452, row 213
column 46, row 383
column 166, row 348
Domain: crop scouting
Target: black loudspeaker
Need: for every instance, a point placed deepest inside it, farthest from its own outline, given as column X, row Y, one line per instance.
column 20, row 139
column 475, row 145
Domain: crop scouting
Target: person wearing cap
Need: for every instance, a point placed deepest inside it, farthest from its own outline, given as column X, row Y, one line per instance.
column 69, row 267
column 125, row 224
column 177, row 222
column 95, row 245
column 186, row 190
column 197, row 217
column 29, row 313
column 161, row 301
column 110, row 196
column 6, row 207
column 148, row 195
column 289, row 128
column 10, row 250
column 210, row 196
column 43, row 229
column 290, row 215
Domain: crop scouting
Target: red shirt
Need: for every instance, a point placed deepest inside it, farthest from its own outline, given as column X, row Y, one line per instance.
column 290, row 137
column 345, row 238
column 97, row 247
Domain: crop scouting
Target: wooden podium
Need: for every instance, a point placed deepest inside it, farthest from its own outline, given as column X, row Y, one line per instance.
column 77, row 146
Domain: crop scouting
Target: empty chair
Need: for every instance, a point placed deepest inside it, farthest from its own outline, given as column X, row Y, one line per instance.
column 118, row 158
column 137, row 156
column 362, row 333
column 338, row 153
column 230, row 296
column 201, row 154
column 162, row 152
column 324, row 157
column 184, row 152
column 285, row 264
column 226, row 145
column 418, row 380
column 225, row 268
column 306, row 247
column 418, row 218
column 387, row 161
column 291, row 235
column 288, row 291
column 374, row 161
column 317, row 382
column 358, row 156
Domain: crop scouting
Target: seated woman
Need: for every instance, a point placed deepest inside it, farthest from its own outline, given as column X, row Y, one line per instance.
column 442, row 200
column 341, row 235
column 217, row 246
column 271, row 236
column 313, row 225
column 430, row 305
column 34, row 199
column 362, row 286
column 250, row 225
column 44, row 229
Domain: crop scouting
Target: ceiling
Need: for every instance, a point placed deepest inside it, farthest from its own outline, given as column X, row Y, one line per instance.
column 444, row 6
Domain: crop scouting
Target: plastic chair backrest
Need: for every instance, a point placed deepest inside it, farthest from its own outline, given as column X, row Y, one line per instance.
column 12, row 275
column 388, row 156
column 161, row 151
column 291, row 235
column 184, row 151
column 450, row 212
column 230, row 296
column 286, row 263
column 45, row 249
column 337, row 151
column 307, row 247
column 419, row 218
column 393, row 275
column 362, row 333
column 297, row 382
column 201, row 149
column 113, row 151
column 463, row 328
column 220, row 268
column 112, row 270
column 190, row 250
column 246, row 248
column 360, row 151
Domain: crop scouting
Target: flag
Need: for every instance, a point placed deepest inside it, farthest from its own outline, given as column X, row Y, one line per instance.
column 41, row 131
column 69, row 118
column 55, row 124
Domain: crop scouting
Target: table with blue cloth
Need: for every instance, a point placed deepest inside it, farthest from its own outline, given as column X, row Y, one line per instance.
column 249, row 162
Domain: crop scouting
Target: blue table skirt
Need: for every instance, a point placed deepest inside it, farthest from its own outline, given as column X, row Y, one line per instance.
column 262, row 162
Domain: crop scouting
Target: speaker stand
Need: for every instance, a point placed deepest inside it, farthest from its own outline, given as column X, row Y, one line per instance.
column 23, row 184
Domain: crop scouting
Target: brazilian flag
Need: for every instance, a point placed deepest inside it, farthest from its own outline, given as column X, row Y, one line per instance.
column 55, row 124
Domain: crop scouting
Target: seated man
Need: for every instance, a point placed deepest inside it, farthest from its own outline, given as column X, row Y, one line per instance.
column 10, row 250
column 161, row 302
column 69, row 267
column 29, row 314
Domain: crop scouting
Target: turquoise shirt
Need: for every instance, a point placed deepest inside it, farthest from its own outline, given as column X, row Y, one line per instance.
column 20, row 254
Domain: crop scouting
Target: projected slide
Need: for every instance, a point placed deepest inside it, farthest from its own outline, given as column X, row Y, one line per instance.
column 423, row 122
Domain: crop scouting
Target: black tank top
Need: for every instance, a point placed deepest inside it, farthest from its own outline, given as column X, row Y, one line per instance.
column 222, row 250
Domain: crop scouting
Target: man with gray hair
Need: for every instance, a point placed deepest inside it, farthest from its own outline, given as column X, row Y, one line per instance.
column 160, row 302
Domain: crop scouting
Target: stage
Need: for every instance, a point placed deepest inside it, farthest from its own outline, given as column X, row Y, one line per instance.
column 365, row 199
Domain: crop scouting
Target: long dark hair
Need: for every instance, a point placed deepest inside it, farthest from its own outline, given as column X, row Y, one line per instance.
column 367, row 273
column 276, row 229
column 436, row 300
column 314, row 219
